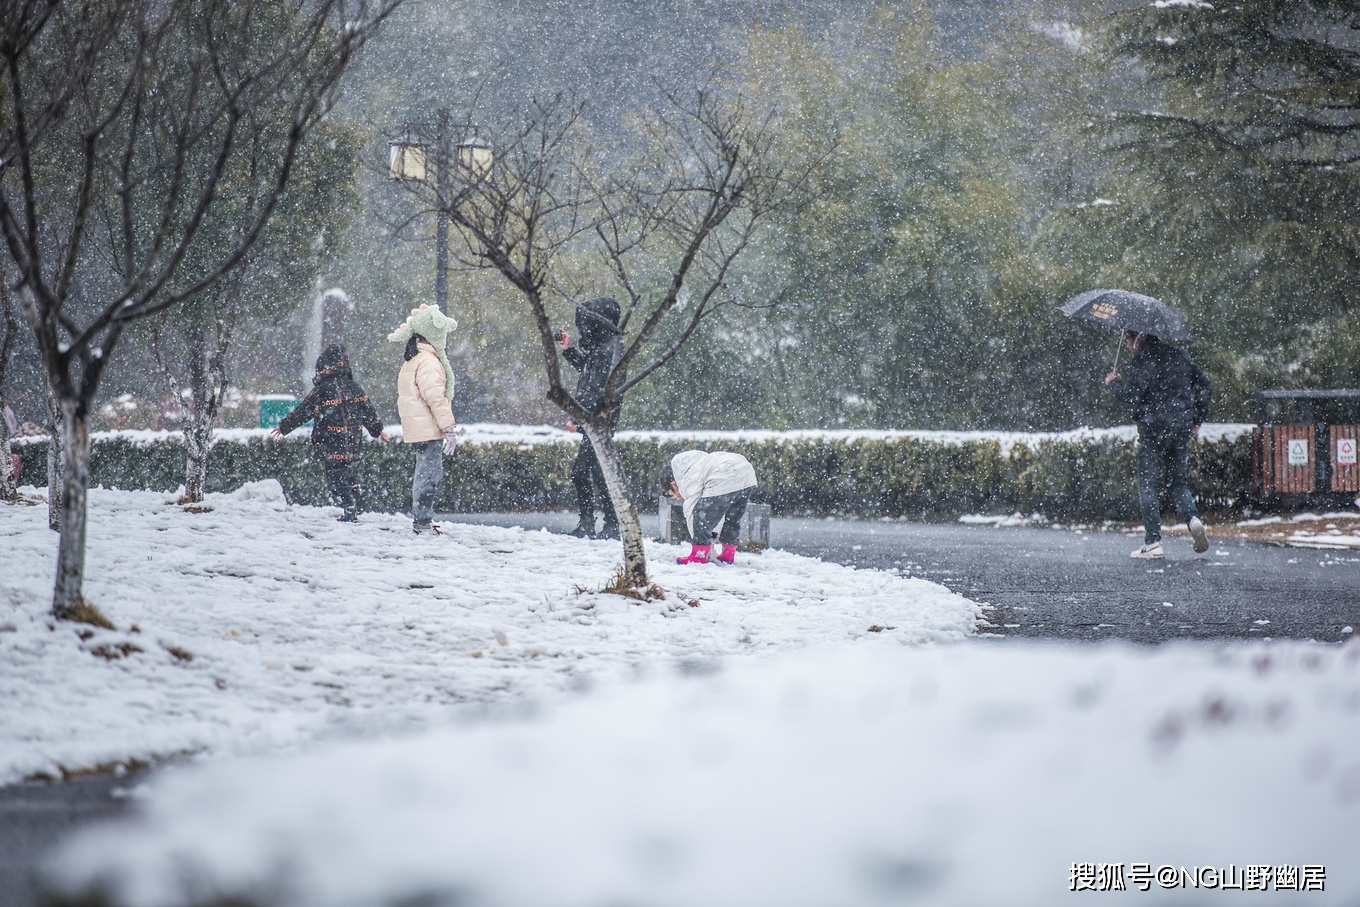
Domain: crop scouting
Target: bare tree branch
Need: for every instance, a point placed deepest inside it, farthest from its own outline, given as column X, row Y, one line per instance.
column 675, row 212
column 152, row 106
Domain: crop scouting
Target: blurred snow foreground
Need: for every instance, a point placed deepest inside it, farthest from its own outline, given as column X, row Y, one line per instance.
column 833, row 765
column 865, row 773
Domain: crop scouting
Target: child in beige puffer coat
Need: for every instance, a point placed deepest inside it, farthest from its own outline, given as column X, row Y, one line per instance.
column 424, row 392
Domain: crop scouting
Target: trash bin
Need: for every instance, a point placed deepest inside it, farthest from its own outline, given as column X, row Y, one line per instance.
column 755, row 527
column 1345, row 471
column 275, row 407
column 671, row 518
column 1303, row 451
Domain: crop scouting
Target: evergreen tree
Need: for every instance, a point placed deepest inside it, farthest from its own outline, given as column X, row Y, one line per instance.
column 898, row 316
column 1237, row 184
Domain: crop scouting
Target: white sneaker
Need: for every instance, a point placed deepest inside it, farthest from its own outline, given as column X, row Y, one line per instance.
column 1150, row 552
column 1199, row 535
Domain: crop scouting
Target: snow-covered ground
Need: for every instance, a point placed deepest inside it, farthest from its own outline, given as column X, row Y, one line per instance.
column 382, row 719
column 870, row 773
column 256, row 627
column 1327, row 531
column 1307, row 530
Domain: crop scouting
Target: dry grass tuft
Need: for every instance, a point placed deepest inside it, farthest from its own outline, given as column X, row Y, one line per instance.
column 180, row 654
column 84, row 613
column 619, row 585
column 117, row 768
column 26, row 500
column 116, row 650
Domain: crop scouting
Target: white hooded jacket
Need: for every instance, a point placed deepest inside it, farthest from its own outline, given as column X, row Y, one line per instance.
column 707, row 475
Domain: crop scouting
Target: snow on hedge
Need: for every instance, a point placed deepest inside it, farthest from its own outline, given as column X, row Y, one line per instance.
column 256, row 626
column 494, row 433
column 872, row 774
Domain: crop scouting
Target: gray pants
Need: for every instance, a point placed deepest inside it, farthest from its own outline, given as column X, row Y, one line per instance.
column 425, row 484
column 723, row 508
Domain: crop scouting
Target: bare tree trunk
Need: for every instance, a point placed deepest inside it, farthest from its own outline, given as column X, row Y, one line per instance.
column 197, row 440
column 56, row 461
column 206, row 379
column 630, row 527
column 198, row 427
column 9, row 487
column 8, row 481
column 67, row 599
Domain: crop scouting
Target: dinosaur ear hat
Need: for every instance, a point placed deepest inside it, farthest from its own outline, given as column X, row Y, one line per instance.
column 434, row 326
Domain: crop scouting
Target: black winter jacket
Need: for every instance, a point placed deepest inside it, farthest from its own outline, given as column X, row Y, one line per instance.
column 1168, row 392
column 340, row 407
column 600, row 349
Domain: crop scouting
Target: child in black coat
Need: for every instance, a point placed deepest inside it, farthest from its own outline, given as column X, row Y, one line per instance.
column 341, row 411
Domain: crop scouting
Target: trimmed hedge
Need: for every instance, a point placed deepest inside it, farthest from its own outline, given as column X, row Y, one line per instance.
column 1063, row 479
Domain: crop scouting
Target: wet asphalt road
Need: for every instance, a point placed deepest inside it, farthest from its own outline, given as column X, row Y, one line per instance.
column 1083, row 585
column 1040, row 583
column 35, row 816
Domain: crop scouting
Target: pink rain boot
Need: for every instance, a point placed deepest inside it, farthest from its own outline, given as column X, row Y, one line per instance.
column 728, row 555
column 698, row 554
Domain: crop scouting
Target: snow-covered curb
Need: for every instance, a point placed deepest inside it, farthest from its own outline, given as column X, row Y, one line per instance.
column 496, row 433
column 256, row 626
column 1210, row 431
column 977, row 774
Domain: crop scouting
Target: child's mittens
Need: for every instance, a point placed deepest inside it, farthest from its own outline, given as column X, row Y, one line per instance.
column 450, row 439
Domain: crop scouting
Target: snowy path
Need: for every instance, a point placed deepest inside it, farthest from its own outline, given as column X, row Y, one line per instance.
column 258, row 627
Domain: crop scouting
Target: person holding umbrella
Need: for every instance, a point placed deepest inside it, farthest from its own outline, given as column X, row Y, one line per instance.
column 1170, row 399
column 1170, row 396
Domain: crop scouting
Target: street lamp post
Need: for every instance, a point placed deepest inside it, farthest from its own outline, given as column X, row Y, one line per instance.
column 441, row 217
column 409, row 160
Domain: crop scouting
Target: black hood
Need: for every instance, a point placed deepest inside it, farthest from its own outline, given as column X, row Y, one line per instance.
column 597, row 321
column 333, row 361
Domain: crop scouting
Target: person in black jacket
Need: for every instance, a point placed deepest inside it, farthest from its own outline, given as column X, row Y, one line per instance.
column 341, row 411
column 597, row 322
column 1170, row 398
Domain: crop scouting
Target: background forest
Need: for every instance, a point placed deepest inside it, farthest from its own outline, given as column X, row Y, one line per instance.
column 992, row 159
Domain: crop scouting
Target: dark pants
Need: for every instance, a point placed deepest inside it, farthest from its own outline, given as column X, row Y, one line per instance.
column 588, row 479
column 723, row 508
column 1163, row 453
column 344, row 487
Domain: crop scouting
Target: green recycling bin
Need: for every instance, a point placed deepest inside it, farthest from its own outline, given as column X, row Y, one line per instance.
column 275, row 407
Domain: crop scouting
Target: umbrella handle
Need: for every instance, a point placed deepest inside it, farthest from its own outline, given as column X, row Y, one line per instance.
column 1117, row 350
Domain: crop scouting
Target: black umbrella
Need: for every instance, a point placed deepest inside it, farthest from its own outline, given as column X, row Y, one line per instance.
column 1130, row 311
